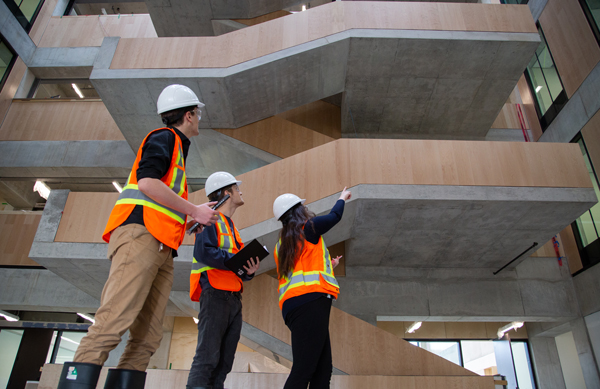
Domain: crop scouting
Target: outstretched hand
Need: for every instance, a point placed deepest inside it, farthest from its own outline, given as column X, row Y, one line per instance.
column 345, row 195
column 336, row 261
column 252, row 266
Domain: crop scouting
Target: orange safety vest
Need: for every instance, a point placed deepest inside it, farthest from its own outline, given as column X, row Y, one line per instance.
column 219, row 279
column 312, row 272
column 165, row 224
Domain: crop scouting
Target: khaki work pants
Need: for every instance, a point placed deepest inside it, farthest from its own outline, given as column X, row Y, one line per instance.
column 134, row 297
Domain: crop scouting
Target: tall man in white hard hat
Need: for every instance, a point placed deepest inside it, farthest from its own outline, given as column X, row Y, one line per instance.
column 144, row 231
column 217, row 288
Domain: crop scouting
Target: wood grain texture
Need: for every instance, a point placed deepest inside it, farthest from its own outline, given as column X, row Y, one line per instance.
column 529, row 113
column 571, row 41
column 7, row 94
column 507, row 118
column 167, row 379
column 42, row 20
column 318, row 116
column 591, row 136
column 357, row 346
column 325, row 170
column 51, row 120
column 83, row 31
column 81, row 207
column 16, row 237
column 569, row 246
column 278, row 136
column 263, row 18
column 292, row 30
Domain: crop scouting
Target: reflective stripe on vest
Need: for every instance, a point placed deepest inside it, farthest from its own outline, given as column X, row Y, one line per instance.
column 132, row 195
column 225, row 243
column 306, row 278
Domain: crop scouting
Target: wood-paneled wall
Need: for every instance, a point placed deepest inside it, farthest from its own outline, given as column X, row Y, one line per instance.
column 51, row 120
column 17, row 231
column 10, row 87
column 278, row 136
column 256, row 41
column 571, row 41
column 449, row 330
column 82, row 31
column 319, row 116
column 263, row 18
column 357, row 346
column 325, row 170
column 591, row 136
column 508, row 117
column 529, row 112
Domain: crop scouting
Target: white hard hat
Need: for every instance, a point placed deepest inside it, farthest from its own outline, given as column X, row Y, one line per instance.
column 219, row 180
column 176, row 96
column 284, row 203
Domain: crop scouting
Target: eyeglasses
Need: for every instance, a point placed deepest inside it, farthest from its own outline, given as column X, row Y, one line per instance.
column 198, row 112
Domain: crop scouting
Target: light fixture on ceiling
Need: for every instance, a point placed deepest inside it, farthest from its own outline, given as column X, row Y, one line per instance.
column 196, row 320
column 9, row 316
column 303, row 7
column 86, row 317
column 510, row 326
column 42, row 189
column 538, row 88
column 77, row 91
column 414, row 326
column 69, row 340
column 117, row 186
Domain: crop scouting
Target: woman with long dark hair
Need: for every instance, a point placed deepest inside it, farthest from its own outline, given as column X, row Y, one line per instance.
column 307, row 287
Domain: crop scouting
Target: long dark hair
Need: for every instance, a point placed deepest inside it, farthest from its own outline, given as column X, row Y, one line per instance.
column 292, row 237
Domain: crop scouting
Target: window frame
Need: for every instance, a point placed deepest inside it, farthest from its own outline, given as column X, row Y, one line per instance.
column 591, row 20
column 561, row 99
column 21, row 18
column 10, row 65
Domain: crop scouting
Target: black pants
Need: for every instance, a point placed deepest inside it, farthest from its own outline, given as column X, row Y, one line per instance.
column 219, row 327
column 311, row 348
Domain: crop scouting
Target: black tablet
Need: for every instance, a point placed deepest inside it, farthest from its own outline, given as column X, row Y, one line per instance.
column 251, row 250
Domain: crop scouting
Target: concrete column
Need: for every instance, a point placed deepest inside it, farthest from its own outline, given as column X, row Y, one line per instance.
column 15, row 35
column 589, row 366
column 19, row 194
column 546, row 363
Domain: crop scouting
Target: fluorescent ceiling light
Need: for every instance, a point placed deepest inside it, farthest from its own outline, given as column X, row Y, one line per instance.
column 539, row 88
column 303, row 7
column 510, row 326
column 196, row 320
column 117, row 186
column 86, row 317
column 9, row 316
column 414, row 326
column 77, row 90
column 69, row 340
column 42, row 189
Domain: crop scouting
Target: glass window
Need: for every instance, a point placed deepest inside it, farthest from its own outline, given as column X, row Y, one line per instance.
column 522, row 362
column 589, row 223
column 69, row 341
column 545, row 83
column 479, row 356
column 591, row 9
column 445, row 349
column 7, row 59
column 25, row 11
column 9, row 344
column 63, row 89
column 514, row 1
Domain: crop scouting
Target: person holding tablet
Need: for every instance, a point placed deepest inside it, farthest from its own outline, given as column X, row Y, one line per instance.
column 218, row 289
column 307, row 287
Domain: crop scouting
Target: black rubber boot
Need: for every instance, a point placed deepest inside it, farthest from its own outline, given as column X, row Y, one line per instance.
column 125, row 379
column 77, row 375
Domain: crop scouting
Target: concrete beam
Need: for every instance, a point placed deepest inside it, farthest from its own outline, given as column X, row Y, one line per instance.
column 14, row 34
column 63, row 62
column 588, row 290
column 19, row 194
column 55, row 159
column 580, row 108
column 460, row 91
